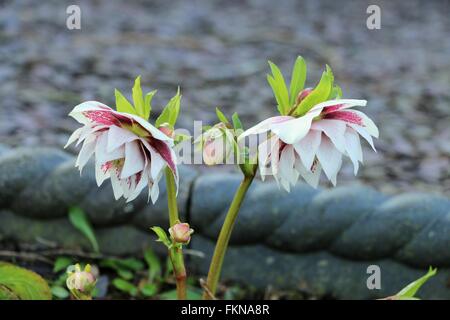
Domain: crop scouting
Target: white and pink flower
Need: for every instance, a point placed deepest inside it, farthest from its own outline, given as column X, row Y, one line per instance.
column 316, row 141
column 128, row 149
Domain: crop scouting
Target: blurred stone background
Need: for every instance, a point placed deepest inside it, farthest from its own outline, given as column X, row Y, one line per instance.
column 217, row 51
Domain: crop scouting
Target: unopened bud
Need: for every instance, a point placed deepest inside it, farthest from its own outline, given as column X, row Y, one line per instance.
column 80, row 282
column 167, row 130
column 181, row 233
column 302, row 95
column 217, row 144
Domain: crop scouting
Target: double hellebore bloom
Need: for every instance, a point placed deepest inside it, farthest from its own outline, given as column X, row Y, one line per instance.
column 312, row 134
column 128, row 150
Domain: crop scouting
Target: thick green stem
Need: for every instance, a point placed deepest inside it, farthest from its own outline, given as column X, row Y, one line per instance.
column 224, row 237
column 176, row 253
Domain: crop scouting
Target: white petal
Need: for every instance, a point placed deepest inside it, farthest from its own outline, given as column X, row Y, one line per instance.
column 264, row 156
column 347, row 103
column 116, row 184
column 156, row 133
column 78, row 112
column 353, row 148
column 307, row 147
column 102, row 155
column 138, row 188
column 118, row 136
column 334, row 129
column 311, row 177
column 264, row 126
column 330, row 159
column 100, row 174
column 134, row 160
column 74, row 136
column 368, row 124
column 87, row 150
column 363, row 133
column 293, row 130
column 287, row 173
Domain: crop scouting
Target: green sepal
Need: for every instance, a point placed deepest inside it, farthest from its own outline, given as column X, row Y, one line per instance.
column 122, row 104
column 148, row 104
column 298, row 79
column 237, row 124
column 221, row 116
column 162, row 236
column 278, row 85
column 170, row 113
column 138, row 99
column 411, row 289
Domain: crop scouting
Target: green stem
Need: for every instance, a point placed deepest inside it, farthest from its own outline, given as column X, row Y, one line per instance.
column 175, row 253
column 224, row 237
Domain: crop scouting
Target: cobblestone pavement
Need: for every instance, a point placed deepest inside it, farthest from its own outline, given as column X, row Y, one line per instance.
column 217, row 51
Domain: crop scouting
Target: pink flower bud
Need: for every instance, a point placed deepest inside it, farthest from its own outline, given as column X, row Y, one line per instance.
column 303, row 94
column 217, row 144
column 167, row 130
column 181, row 233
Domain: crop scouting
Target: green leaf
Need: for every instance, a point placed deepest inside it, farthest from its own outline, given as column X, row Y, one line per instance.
column 148, row 104
column 61, row 263
column 320, row 93
column 298, row 78
column 149, row 289
column 154, row 265
column 131, row 263
column 60, row 292
column 170, row 113
column 279, row 88
column 191, row 294
column 138, row 100
column 237, row 124
column 122, row 104
column 80, row 221
column 162, row 236
column 221, row 116
column 125, row 286
column 336, row 93
column 410, row 290
column 20, row 283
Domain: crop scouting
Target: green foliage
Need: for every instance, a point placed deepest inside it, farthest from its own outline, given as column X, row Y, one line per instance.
column 221, row 116
column 411, row 289
column 298, row 79
column 125, row 286
column 138, row 99
column 319, row 94
column 80, row 221
column 278, row 85
column 169, row 115
column 148, row 104
column 154, row 265
column 122, row 104
column 60, row 292
column 162, row 236
column 237, row 124
column 61, row 264
column 19, row 283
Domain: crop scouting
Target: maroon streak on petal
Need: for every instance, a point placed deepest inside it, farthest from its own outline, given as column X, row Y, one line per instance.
column 332, row 109
column 101, row 117
column 346, row 116
column 164, row 150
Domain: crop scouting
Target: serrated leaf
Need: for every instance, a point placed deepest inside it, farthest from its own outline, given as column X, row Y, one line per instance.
column 122, row 104
column 298, row 78
column 154, row 265
column 411, row 289
column 237, row 124
column 221, row 116
column 125, row 286
column 336, row 93
column 279, row 88
column 20, row 283
column 148, row 104
column 162, row 236
column 61, row 263
column 80, row 221
column 138, row 100
column 170, row 112
column 320, row 93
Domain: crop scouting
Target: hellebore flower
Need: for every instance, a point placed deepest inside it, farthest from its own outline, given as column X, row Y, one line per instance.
column 317, row 140
column 181, row 233
column 128, row 149
column 80, row 282
column 217, row 144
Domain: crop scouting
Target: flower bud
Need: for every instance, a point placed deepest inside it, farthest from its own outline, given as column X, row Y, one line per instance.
column 181, row 233
column 167, row 130
column 217, row 144
column 302, row 95
column 80, row 282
